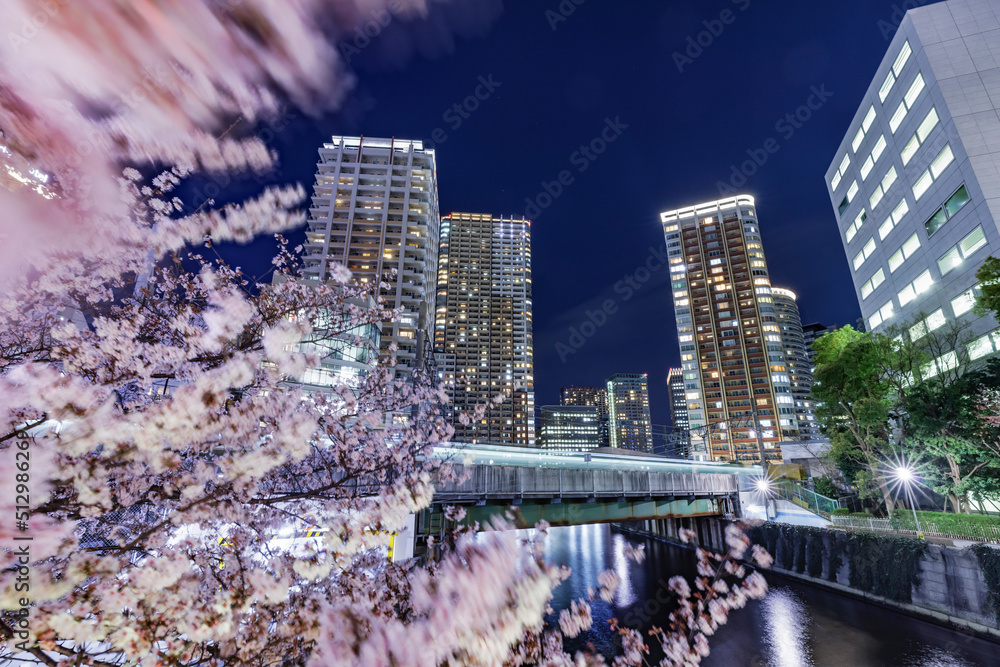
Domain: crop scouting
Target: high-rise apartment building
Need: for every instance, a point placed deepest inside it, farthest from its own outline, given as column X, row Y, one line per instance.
column 375, row 211
column 592, row 396
column 483, row 319
column 678, row 410
column 629, row 425
column 568, row 428
column 810, row 332
column 799, row 364
column 735, row 372
column 914, row 183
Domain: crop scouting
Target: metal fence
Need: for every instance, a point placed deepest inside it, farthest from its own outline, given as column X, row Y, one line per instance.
column 970, row 532
column 517, row 482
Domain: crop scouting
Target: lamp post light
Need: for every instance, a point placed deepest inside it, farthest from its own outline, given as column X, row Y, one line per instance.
column 907, row 476
column 763, row 486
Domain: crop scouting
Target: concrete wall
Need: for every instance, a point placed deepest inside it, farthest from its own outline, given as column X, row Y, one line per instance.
column 952, row 589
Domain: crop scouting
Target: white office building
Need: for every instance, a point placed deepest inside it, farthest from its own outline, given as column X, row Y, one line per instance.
column 915, row 184
column 375, row 211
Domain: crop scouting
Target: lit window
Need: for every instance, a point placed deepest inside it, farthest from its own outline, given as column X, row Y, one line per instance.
column 904, row 253
column 865, row 126
column 902, row 208
column 897, row 67
column 841, row 172
column 929, row 123
column 851, row 191
column 856, row 225
column 883, row 187
column 917, row 287
column 873, row 158
column 980, row 347
column 881, row 315
column 864, row 253
column 943, row 159
column 908, row 100
column 965, row 248
column 873, row 283
column 964, row 302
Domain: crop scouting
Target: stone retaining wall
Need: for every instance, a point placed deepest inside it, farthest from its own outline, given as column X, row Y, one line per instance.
column 951, row 591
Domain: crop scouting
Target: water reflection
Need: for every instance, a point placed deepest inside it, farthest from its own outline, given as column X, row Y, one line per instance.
column 786, row 627
column 795, row 625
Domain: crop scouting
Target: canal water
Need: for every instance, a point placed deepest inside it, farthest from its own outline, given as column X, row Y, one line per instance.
column 796, row 624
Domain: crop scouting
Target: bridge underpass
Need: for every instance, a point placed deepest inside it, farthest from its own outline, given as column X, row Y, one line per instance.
column 570, row 488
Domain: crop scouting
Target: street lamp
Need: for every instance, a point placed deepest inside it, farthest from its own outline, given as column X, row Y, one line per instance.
column 906, row 476
column 765, row 488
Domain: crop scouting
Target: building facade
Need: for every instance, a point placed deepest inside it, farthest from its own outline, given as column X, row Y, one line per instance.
column 375, row 211
column 629, row 424
column 811, row 332
column 680, row 435
column 596, row 397
column 799, row 364
column 915, row 185
column 568, row 428
column 735, row 372
column 483, row 322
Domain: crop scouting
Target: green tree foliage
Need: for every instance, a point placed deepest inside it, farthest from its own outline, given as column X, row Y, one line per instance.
column 945, row 419
column 988, row 276
column 859, row 379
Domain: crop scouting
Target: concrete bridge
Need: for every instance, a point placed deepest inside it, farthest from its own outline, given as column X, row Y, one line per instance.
column 568, row 488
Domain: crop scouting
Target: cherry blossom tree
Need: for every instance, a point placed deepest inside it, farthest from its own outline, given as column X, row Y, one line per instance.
column 168, row 448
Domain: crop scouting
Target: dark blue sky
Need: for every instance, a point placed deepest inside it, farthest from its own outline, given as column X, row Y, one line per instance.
column 685, row 131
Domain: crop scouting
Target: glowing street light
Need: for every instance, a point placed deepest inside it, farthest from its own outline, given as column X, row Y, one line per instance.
column 906, row 476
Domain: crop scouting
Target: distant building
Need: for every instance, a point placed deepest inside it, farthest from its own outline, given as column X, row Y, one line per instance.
column 592, row 396
column 914, row 182
column 483, row 324
column 629, row 424
column 810, row 332
column 568, row 428
column 730, row 342
column 678, row 411
column 375, row 211
column 799, row 366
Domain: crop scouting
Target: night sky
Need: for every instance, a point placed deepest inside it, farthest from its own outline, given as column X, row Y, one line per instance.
column 679, row 134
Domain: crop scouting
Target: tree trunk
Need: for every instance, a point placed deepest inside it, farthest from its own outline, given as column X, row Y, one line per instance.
column 955, row 473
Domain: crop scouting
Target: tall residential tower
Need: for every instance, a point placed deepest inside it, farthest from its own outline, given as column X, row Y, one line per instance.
column 732, row 357
column 914, row 183
column 799, row 362
column 375, row 211
column 483, row 324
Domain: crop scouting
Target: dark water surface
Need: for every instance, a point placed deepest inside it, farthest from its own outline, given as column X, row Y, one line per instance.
column 796, row 624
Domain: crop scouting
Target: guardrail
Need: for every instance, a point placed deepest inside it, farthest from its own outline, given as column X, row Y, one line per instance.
column 973, row 533
column 806, row 498
column 485, row 481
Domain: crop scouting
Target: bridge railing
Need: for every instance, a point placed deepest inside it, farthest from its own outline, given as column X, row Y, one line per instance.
column 522, row 482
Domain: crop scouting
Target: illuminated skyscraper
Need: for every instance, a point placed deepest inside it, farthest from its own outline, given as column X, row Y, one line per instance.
column 568, row 428
column 629, row 424
column 732, row 354
column 678, row 410
column 484, row 320
column 375, row 211
column 596, row 397
column 799, row 363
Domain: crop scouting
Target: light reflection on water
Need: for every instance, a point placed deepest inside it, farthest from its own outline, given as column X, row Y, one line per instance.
column 786, row 628
column 795, row 625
